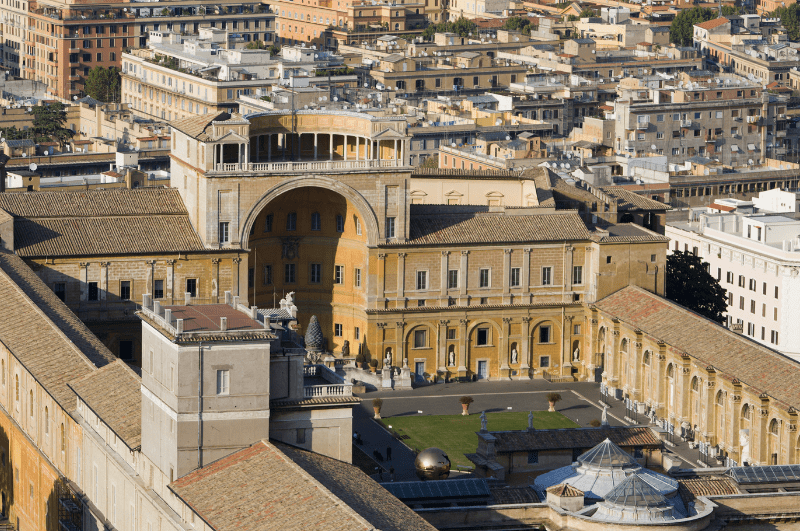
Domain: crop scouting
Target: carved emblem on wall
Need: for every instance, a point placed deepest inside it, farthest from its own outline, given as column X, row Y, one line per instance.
column 290, row 248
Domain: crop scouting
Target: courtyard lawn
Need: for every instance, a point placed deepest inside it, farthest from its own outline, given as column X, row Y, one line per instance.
column 455, row 434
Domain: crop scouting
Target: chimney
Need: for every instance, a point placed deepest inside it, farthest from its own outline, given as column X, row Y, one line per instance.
column 187, row 298
column 223, row 324
column 179, row 325
column 168, row 316
column 156, row 307
column 235, row 301
column 254, row 313
column 228, row 298
column 146, row 300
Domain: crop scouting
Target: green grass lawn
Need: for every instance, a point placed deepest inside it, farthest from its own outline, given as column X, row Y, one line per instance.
column 455, row 434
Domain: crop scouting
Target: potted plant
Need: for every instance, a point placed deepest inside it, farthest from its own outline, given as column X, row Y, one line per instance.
column 377, row 403
column 465, row 402
column 373, row 365
column 552, row 398
column 360, row 361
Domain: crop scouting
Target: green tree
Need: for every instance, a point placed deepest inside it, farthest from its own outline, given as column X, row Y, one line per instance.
column 103, row 84
column 255, row 45
column 274, row 50
column 690, row 284
column 461, row 26
column 48, row 123
column 789, row 18
column 586, row 13
column 681, row 30
column 732, row 10
column 518, row 24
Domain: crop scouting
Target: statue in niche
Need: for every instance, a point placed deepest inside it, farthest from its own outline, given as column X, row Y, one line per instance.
column 388, row 361
column 346, row 348
column 514, row 355
column 577, row 354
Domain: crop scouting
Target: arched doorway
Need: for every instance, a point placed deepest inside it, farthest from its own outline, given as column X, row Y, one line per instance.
column 312, row 241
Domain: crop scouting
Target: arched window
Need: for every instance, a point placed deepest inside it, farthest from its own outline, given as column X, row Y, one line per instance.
column 624, row 345
column 695, row 384
column 720, row 398
column 63, row 438
column 670, row 371
column 46, row 421
column 339, row 223
column 16, row 388
column 746, row 412
column 773, row 426
column 291, row 221
column 646, row 357
column 316, row 221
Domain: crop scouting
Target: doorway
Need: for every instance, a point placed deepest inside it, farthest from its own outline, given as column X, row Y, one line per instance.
column 483, row 370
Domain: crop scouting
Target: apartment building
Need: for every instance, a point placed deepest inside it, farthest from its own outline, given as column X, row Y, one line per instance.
column 727, row 118
column 58, row 43
column 753, row 256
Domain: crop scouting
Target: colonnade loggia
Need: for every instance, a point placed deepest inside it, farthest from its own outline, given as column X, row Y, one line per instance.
column 290, row 147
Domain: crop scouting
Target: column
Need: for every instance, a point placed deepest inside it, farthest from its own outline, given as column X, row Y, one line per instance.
column 283, row 146
column 525, row 354
column 170, row 281
column 566, row 357
column 526, row 273
column 381, row 275
column 505, row 369
column 661, row 381
column 381, row 355
column 568, row 253
column 463, row 298
column 708, row 417
column 401, row 281
column 236, row 275
column 612, row 378
column 378, row 148
column 507, row 275
column 269, row 148
column 104, row 284
column 684, row 394
column 315, row 146
column 151, row 270
column 443, row 281
column 215, row 279
column 358, row 145
column 84, row 281
column 441, row 357
column 637, row 383
column 330, row 147
column 734, row 447
column 462, row 348
column 369, row 148
column 344, row 147
column 589, row 349
column 399, row 341
column 394, row 155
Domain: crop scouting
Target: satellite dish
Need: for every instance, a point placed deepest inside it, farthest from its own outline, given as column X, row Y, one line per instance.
column 508, row 137
column 46, row 152
column 453, row 144
column 75, row 98
column 653, row 147
column 567, row 165
column 336, row 98
column 32, row 166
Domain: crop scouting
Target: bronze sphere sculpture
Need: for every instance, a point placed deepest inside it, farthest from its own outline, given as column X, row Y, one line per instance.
column 433, row 464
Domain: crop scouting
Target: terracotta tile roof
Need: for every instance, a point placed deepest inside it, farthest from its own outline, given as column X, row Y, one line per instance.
column 196, row 125
column 315, row 401
column 275, row 487
column 711, row 24
column 490, row 227
column 564, row 490
column 626, row 233
column 731, row 354
column 114, row 394
column 102, row 222
column 47, row 338
column 116, row 202
column 690, row 488
column 724, row 208
column 512, row 495
column 627, row 200
column 565, row 439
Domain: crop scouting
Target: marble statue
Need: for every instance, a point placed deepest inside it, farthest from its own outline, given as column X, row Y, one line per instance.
column 530, row 420
column 744, row 442
column 346, row 348
column 604, row 418
column 483, row 421
column 513, row 355
column 388, row 361
column 577, row 354
column 452, row 359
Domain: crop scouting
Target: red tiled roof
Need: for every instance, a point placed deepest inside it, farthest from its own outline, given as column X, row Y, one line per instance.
column 711, row 24
column 732, row 355
column 724, row 208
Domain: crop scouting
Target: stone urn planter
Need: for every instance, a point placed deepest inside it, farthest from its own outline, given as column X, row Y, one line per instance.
column 465, row 402
column 377, row 403
column 552, row 398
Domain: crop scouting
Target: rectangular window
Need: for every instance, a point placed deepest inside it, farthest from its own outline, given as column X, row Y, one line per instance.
column 482, row 338
column 357, row 275
column 576, row 329
column 223, row 382
column 251, row 277
column 776, row 292
column 158, row 289
column 338, row 274
column 60, row 289
column 191, row 286
column 577, row 275
column 422, row 280
column 289, row 274
column 547, row 276
column 357, row 332
column 544, row 361
column 533, row 457
column 485, row 277
column 224, row 236
column 268, row 223
column 764, row 288
column 339, row 223
column 337, row 330
column 741, row 281
column 515, row 277
column 300, row 438
column 390, row 227
column 267, row 275
column 773, row 337
column 316, row 274
column 451, row 333
column 420, row 338
column 125, row 290
column 291, row 221
column 741, row 303
column 752, row 306
column 452, row 279
column 752, row 284
column 729, row 277
column 544, row 334
column 94, row 293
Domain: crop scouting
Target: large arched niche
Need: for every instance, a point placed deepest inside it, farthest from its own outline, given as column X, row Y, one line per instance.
column 368, row 217
column 326, row 244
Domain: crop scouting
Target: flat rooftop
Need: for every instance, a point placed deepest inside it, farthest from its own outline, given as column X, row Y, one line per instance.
column 772, row 219
column 206, row 318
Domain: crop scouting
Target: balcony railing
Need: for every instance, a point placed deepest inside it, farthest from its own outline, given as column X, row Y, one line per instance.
column 319, row 391
column 266, row 167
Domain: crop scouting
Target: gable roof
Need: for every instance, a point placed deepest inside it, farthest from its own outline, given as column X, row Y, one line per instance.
column 100, row 222
column 196, row 125
column 275, row 487
column 732, row 355
column 711, row 24
column 627, row 200
column 525, row 441
column 114, row 394
column 43, row 334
